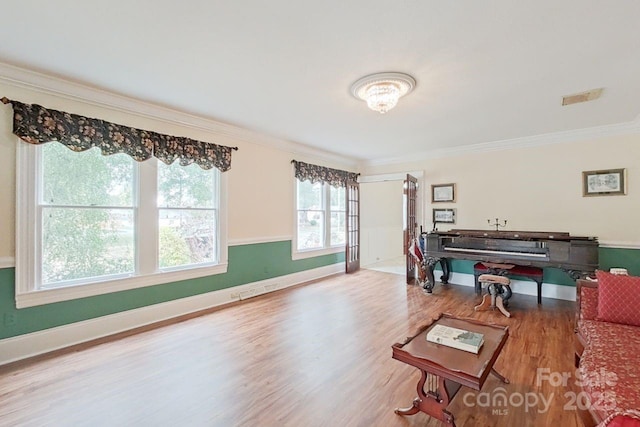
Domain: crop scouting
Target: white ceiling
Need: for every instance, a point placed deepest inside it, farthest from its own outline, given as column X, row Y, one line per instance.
column 486, row 70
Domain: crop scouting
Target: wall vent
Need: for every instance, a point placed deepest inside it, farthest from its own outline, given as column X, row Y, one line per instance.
column 576, row 98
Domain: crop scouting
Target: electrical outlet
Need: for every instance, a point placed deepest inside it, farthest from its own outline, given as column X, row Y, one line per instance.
column 10, row 319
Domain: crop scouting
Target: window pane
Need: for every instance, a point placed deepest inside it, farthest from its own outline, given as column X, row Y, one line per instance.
column 186, row 186
column 187, row 237
column 310, row 229
column 87, row 178
column 309, row 196
column 337, row 198
column 338, row 231
column 80, row 243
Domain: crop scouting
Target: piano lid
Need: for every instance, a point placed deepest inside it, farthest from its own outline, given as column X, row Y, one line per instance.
column 514, row 235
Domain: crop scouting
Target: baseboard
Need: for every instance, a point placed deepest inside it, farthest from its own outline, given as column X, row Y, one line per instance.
column 36, row 343
column 522, row 287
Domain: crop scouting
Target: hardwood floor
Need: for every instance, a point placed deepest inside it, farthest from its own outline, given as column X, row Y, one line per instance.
column 313, row 355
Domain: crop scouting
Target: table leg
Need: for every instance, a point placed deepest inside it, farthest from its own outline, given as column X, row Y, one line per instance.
column 414, row 409
column 500, row 377
column 432, row 402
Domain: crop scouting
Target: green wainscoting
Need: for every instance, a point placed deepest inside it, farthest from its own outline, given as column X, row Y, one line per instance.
column 625, row 258
column 247, row 264
column 609, row 257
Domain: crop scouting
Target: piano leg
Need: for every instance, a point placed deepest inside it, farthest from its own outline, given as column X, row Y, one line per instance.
column 430, row 282
column 446, row 270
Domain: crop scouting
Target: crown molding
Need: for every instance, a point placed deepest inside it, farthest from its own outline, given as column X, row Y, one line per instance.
column 39, row 82
column 401, row 176
column 595, row 132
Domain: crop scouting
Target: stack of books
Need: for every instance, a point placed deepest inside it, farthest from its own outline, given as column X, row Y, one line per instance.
column 456, row 338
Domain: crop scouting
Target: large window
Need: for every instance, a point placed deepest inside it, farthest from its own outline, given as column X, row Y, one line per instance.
column 91, row 224
column 86, row 209
column 187, row 215
column 320, row 216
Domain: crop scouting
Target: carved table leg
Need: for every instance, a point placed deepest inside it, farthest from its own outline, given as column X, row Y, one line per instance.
column 414, row 409
column 433, row 402
column 500, row 377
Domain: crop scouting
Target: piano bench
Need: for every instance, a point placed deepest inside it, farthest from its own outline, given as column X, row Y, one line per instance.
column 533, row 273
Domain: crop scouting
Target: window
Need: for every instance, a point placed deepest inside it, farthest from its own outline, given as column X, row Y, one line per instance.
column 91, row 224
column 86, row 208
column 186, row 215
column 320, row 217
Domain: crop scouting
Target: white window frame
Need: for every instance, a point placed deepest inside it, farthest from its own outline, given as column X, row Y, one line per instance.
column 326, row 249
column 146, row 219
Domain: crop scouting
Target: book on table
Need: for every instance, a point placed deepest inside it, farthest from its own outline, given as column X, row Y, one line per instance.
column 456, row 338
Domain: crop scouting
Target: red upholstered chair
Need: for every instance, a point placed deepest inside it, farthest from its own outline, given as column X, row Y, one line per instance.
column 625, row 419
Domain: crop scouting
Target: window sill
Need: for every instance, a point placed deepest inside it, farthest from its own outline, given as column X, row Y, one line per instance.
column 48, row 296
column 316, row 252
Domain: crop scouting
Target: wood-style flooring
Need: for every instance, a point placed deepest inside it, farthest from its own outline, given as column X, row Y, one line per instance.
column 312, row 355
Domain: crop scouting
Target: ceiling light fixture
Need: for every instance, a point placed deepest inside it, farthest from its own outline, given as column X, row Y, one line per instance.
column 381, row 91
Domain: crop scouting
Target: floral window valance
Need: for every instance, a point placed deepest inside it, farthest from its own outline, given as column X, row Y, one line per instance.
column 37, row 125
column 315, row 173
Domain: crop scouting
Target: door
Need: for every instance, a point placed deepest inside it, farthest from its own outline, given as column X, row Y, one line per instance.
column 411, row 195
column 352, row 194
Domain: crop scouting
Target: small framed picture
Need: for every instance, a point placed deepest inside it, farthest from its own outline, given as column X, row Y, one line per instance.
column 443, row 193
column 444, row 215
column 603, row 183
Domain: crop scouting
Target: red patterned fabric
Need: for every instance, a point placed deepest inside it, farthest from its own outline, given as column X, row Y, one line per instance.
column 518, row 270
column 610, row 375
column 618, row 298
column 623, row 419
column 588, row 303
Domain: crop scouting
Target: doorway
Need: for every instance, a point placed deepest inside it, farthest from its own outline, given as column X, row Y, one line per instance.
column 382, row 216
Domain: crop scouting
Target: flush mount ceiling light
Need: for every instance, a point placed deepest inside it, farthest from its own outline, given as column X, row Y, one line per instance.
column 381, row 91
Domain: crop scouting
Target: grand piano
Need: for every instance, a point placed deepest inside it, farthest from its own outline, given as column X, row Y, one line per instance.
column 578, row 256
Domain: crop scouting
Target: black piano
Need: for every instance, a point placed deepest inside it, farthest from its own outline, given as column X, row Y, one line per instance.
column 578, row 256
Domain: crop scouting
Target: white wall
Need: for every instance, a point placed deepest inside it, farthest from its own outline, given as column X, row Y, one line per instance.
column 381, row 221
column 539, row 188
column 7, row 186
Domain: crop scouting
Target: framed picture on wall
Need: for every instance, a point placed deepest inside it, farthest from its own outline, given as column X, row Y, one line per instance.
column 447, row 216
column 609, row 182
column 443, row 193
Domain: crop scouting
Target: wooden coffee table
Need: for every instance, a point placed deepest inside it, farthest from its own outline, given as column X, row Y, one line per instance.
column 445, row 369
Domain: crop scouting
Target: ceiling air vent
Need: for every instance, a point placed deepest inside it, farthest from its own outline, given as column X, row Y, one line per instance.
column 576, row 98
